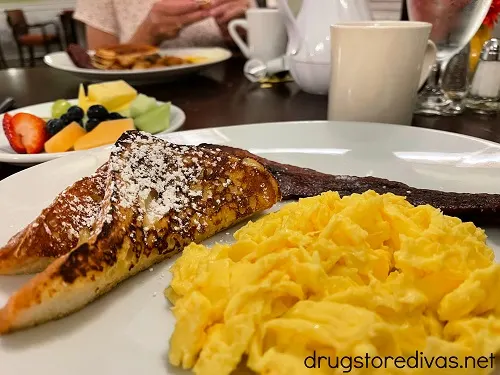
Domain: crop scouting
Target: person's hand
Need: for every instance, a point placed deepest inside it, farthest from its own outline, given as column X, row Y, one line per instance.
column 226, row 10
column 168, row 17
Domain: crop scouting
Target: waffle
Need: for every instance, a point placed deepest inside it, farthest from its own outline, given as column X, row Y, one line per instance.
column 122, row 56
column 126, row 57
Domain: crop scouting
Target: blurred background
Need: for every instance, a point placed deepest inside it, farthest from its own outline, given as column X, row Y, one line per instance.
column 23, row 23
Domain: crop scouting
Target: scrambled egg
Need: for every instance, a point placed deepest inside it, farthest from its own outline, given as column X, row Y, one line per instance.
column 363, row 275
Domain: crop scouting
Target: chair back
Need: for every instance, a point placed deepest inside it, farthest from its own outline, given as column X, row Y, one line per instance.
column 69, row 26
column 17, row 21
column 404, row 12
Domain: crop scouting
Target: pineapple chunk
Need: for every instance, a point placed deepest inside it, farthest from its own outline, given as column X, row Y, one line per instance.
column 112, row 94
column 83, row 101
column 123, row 108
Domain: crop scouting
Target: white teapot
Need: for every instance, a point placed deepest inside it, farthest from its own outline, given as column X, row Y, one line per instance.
column 308, row 51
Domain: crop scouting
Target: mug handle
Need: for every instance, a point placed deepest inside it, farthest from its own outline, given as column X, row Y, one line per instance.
column 429, row 60
column 237, row 38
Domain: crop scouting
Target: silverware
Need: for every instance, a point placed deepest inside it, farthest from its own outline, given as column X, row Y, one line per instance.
column 255, row 69
column 7, row 104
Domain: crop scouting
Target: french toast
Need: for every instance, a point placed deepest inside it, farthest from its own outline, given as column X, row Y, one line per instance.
column 34, row 247
column 158, row 198
column 58, row 229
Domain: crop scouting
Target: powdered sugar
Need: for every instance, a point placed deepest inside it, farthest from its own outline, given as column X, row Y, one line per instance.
column 72, row 214
column 47, row 229
column 158, row 177
column 82, row 209
column 79, row 208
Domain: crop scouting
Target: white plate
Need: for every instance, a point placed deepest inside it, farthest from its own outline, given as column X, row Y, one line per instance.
column 61, row 61
column 127, row 331
column 8, row 155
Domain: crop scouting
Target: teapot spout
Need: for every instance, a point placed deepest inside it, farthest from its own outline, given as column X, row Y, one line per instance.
column 294, row 37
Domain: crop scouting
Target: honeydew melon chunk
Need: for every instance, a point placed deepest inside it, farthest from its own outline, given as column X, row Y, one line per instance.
column 142, row 104
column 154, row 121
column 125, row 113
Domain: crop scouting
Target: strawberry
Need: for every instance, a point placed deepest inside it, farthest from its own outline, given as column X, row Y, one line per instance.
column 26, row 133
column 13, row 138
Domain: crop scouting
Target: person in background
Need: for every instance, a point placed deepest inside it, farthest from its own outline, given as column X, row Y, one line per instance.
column 165, row 23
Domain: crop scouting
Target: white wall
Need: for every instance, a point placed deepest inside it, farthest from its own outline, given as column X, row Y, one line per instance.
column 36, row 11
column 496, row 32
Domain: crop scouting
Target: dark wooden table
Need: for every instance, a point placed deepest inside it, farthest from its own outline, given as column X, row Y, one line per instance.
column 220, row 96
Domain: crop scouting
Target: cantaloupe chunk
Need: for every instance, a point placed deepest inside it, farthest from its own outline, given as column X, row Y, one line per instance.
column 112, row 94
column 105, row 133
column 65, row 139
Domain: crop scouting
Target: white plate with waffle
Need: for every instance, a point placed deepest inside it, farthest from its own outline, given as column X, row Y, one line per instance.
column 208, row 57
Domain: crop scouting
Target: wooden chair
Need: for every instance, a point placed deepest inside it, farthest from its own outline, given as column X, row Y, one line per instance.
column 69, row 27
column 24, row 38
column 404, row 12
column 3, row 63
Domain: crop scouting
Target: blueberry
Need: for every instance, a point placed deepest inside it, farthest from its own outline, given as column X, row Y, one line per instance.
column 54, row 126
column 92, row 123
column 75, row 113
column 98, row 111
column 115, row 116
column 65, row 119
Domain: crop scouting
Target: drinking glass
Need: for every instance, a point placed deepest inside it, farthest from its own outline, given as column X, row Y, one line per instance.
column 454, row 23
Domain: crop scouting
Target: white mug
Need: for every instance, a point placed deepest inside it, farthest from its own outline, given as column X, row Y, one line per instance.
column 377, row 68
column 266, row 33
